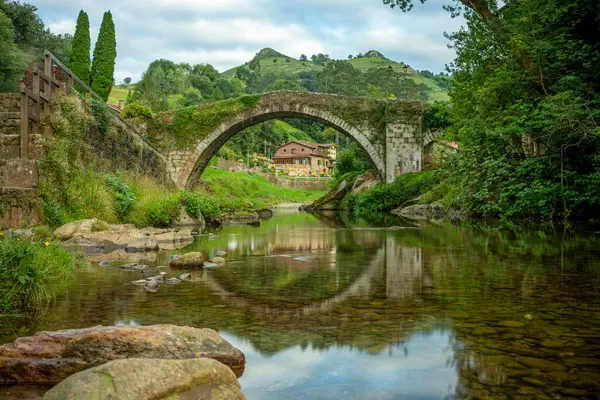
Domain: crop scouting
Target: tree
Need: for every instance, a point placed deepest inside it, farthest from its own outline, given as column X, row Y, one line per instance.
column 287, row 60
column 303, row 57
column 350, row 56
column 340, row 77
column 274, row 61
column 12, row 59
column 105, row 54
column 127, row 81
column 80, row 55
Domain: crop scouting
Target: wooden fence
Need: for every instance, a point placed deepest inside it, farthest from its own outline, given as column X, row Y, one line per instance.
column 37, row 100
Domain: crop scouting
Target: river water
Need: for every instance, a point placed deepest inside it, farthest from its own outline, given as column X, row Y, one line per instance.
column 326, row 308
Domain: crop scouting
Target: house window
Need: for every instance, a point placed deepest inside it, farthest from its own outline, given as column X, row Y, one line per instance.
column 293, row 151
column 285, row 150
column 303, row 149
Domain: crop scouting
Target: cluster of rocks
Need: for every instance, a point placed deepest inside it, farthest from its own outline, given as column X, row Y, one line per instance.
column 95, row 234
column 131, row 362
column 333, row 199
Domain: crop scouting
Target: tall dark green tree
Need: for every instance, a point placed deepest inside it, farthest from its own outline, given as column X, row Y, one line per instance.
column 105, row 53
column 80, row 56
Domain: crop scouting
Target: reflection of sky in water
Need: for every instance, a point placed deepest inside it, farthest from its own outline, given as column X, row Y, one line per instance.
column 341, row 373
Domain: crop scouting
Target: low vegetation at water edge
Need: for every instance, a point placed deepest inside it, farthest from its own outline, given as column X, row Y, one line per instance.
column 27, row 267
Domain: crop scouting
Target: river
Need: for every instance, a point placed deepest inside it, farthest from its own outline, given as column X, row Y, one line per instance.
column 326, row 308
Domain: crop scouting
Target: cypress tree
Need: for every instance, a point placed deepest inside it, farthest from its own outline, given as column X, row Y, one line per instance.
column 80, row 56
column 105, row 53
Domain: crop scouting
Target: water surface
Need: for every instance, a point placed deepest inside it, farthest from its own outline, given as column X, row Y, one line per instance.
column 326, row 308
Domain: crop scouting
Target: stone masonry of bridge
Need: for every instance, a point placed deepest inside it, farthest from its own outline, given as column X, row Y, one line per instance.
column 389, row 130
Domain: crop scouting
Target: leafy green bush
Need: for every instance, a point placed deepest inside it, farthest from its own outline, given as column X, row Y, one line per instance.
column 385, row 197
column 137, row 111
column 102, row 116
column 124, row 195
column 160, row 213
column 197, row 205
column 26, row 267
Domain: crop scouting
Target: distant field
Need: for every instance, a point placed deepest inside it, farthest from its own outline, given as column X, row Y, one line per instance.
column 117, row 93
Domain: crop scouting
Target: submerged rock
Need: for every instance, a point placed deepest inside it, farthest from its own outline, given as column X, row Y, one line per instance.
column 185, row 277
column 138, row 379
column 217, row 260
column 104, row 263
column 208, row 265
column 141, row 282
column 221, row 253
column 173, row 281
column 50, row 357
column 188, row 260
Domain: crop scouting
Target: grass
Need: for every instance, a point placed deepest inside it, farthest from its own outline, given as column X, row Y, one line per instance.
column 117, row 93
column 243, row 191
column 27, row 267
column 289, row 132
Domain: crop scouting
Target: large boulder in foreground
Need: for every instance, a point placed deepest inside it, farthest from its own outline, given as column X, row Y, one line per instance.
column 140, row 379
column 50, row 357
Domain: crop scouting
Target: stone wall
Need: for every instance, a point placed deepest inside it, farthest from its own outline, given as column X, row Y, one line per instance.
column 301, row 184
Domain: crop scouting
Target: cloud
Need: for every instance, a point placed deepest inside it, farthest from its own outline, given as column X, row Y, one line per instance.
column 227, row 33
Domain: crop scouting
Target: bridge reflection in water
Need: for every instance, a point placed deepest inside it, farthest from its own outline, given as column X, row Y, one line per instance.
column 326, row 308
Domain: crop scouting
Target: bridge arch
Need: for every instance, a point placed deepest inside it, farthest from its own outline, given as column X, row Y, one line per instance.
column 388, row 130
column 208, row 147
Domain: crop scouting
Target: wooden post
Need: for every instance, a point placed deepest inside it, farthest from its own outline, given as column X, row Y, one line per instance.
column 70, row 84
column 35, row 124
column 24, row 122
column 47, row 129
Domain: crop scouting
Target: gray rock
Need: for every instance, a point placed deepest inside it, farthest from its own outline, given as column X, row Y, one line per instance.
column 185, row 277
column 217, row 260
column 143, row 244
column 173, row 281
column 104, row 263
column 141, row 282
column 139, row 379
column 208, row 265
column 139, row 267
column 75, row 229
column 221, row 253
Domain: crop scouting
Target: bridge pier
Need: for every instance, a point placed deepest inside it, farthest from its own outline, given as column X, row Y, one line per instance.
column 403, row 149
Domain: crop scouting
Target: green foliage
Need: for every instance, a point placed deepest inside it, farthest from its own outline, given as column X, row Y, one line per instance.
column 351, row 159
column 105, row 53
column 124, row 196
column 12, row 59
column 436, row 116
column 161, row 213
column 80, row 56
column 27, row 267
column 102, row 116
column 383, row 198
column 137, row 111
column 340, row 77
column 197, row 205
column 193, row 123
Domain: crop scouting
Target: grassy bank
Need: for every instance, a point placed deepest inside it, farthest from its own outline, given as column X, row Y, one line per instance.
column 27, row 267
column 240, row 190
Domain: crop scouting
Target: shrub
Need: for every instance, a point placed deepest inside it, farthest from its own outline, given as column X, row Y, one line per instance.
column 137, row 111
column 161, row 213
column 196, row 205
column 385, row 197
column 26, row 267
column 124, row 195
column 102, row 116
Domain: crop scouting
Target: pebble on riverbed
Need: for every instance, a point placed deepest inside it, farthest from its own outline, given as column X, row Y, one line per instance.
column 173, row 281
column 208, row 265
column 104, row 263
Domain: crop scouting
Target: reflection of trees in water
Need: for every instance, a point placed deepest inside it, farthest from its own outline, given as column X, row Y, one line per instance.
column 373, row 289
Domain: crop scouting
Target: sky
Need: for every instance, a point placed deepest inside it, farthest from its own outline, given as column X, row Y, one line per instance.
column 227, row 33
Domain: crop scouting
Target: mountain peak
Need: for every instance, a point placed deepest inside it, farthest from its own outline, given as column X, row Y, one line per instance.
column 374, row 54
column 267, row 52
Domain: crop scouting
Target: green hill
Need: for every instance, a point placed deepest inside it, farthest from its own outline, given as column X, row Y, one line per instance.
column 272, row 61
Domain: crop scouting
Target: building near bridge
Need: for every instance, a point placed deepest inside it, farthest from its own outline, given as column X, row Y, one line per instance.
column 304, row 158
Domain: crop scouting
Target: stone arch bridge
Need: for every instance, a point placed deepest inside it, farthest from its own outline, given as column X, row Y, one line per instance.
column 389, row 130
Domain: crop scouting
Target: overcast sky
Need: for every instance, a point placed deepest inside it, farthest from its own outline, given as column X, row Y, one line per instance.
column 227, row 33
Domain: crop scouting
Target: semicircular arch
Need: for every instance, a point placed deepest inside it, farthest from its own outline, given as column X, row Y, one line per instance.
column 210, row 145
